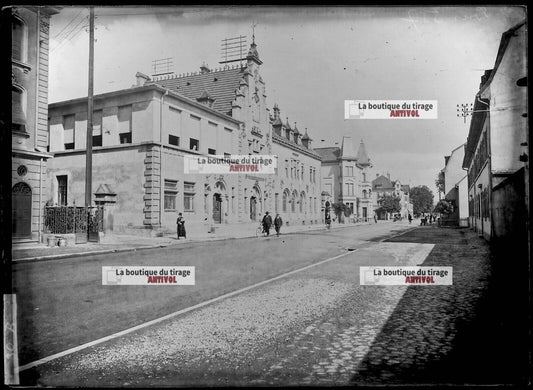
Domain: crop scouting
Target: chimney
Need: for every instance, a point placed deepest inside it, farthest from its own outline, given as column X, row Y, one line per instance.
column 141, row 79
column 388, row 176
column 204, row 68
column 377, row 175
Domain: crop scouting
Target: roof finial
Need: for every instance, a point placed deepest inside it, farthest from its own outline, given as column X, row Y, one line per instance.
column 253, row 31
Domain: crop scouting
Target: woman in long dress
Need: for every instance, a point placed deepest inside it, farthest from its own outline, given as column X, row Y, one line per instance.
column 180, row 222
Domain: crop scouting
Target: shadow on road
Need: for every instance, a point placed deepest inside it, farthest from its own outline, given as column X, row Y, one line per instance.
column 460, row 334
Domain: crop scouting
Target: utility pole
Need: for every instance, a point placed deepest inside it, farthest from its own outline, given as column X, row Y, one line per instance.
column 89, row 153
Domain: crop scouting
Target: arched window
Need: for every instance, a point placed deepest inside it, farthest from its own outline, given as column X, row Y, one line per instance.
column 293, row 202
column 364, row 194
column 285, row 200
column 302, row 202
column 18, row 108
column 18, row 39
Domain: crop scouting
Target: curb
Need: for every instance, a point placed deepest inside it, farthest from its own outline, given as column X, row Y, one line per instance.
column 120, row 250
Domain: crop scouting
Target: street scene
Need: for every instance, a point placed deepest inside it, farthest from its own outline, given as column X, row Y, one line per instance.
column 260, row 196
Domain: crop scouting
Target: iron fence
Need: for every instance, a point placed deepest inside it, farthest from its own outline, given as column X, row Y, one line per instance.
column 73, row 219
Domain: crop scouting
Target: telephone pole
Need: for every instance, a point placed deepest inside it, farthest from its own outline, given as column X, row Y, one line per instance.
column 89, row 153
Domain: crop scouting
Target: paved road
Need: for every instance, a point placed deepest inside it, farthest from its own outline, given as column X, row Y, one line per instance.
column 62, row 303
column 317, row 326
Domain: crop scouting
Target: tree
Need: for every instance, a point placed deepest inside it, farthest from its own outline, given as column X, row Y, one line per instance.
column 389, row 204
column 439, row 182
column 339, row 208
column 422, row 199
column 444, row 207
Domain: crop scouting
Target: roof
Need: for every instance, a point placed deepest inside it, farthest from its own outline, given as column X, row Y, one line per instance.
column 348, row 149
column 506, row 38
column 362, row 156
column 381, row 183
column 480, row 105
column 221, row 85
column 329, row 154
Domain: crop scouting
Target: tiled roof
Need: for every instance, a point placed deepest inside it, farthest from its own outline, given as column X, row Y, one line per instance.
column 329, row 154
column 382, row 183
column 221, row 85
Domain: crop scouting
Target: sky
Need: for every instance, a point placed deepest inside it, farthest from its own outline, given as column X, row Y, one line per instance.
column 314, row 58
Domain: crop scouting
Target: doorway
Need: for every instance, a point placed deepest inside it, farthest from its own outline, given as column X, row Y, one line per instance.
column 253, row 208
column 21, row 210
column 217, row 208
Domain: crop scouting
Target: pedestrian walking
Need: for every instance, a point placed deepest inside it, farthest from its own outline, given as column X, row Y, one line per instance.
column 278, row 222
column 328, row 221
column 410, row 218
column 180, row 222
column 267, row 223
column 375, row 218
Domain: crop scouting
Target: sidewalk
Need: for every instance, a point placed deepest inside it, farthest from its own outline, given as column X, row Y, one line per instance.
column 122, row 243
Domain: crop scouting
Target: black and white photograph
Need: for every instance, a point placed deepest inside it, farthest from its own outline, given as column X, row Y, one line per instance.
column 266, row 196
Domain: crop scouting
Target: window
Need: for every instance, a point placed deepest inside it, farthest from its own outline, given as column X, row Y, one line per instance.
column 18, row 109
column 349, row 171
column 173, row 140
column 124, row 124
column 287, row 168
column 171, row 192
column 97, row 128
column 62, row 190
column 18, row 39
column 125, row 138
column 349, row 189
column 228, row 155
column 194, row 144
column 68, row 131
column 364, row 176
column 188, row 196
column 276, row 201
column 97, row 140
column 211, row 151
column 285, row 199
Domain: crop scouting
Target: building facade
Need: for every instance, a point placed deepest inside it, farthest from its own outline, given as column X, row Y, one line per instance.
column 29, row 116
column 142, row 135
column 456, row 186
column 494, row 153
column 345, row 177
column 382, row 185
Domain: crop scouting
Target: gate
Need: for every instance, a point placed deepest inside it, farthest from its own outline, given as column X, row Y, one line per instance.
column 84, row 222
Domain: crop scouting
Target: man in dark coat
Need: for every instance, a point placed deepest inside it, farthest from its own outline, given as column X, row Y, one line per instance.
column 267, row 223
column 180, row 222
column 277, row 223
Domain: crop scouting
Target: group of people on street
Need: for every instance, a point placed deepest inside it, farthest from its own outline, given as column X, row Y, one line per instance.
column 267, row 223
column 429, row 218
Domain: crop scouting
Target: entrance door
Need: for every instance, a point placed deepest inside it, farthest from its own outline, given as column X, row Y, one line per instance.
column 253, row 208
column 364, row 214
column 217, row 208
column 21, row 210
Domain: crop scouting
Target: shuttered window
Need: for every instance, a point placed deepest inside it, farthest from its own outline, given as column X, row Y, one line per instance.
column 18, row 109
column 17, row 39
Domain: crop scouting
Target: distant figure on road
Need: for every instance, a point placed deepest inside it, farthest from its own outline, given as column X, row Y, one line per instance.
column 278, row 222
column 375, row 218
column 180, row 222
column 410, row 218
column 267, row 223
column 430, row 218
column 328, row 221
